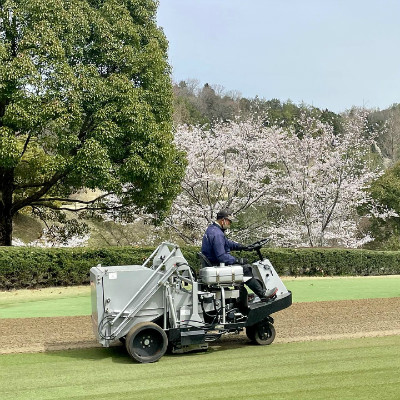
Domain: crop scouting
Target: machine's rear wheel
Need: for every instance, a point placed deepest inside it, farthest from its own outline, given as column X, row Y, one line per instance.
column 262, row 333
column 146, row 342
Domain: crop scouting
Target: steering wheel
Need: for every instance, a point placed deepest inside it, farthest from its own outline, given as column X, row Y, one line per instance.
column 257, row 246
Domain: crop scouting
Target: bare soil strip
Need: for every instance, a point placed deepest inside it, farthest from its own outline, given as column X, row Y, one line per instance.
column 300, row 322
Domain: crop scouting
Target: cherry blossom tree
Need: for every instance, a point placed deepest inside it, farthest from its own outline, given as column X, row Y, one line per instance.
column 312, row 181
column 323, row 182
column 226, row 168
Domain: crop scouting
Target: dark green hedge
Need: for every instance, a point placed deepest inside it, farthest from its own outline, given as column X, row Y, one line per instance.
column 22, row 267
column 324, row 261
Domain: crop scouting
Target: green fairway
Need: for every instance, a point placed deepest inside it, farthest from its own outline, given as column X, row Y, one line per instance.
column 74, row 301
column 342, row 369
column 343, row 288
column 49, row 302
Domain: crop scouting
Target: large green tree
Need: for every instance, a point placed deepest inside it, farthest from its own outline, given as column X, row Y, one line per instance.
column 385, row 225
column 85, row 102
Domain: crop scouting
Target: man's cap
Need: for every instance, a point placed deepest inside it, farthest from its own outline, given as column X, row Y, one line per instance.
column 226, row 213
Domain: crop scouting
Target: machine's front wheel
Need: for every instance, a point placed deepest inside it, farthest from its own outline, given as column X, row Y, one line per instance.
column 262, row 333
column 146, row 342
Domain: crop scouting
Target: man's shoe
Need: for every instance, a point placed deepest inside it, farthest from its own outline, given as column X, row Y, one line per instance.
column 269, row 294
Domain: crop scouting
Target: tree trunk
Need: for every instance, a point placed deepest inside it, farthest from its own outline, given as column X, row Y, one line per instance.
column 5, row 229
column 6, row 195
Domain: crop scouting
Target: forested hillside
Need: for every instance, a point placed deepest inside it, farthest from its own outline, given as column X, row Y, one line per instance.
column 201, row 105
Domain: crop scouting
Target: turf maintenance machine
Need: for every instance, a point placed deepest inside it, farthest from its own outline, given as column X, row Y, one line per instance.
column 162, row 305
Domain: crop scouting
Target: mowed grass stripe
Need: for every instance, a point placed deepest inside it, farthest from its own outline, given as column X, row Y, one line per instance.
column 345, row 369
column 343, row 288
column 75, row 301
column 46, row 302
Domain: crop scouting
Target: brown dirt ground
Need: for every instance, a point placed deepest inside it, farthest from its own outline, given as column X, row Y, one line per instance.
column 300, row 322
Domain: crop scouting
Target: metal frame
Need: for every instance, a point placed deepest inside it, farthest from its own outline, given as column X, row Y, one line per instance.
column 167, row 271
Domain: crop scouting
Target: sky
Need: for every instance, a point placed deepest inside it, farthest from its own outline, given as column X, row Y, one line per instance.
column 331, row 54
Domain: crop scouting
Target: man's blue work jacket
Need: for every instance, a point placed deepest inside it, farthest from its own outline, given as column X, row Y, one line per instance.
column 216, row 246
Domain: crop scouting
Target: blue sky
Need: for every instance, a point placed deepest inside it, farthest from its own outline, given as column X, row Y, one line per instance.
column 328, row 53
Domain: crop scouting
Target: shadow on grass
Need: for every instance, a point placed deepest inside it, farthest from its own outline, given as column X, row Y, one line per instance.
column 118, row 354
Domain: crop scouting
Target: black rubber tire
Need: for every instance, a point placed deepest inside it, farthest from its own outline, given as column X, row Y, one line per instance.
column 262, row 333
column 146, row 342
column 250, row 333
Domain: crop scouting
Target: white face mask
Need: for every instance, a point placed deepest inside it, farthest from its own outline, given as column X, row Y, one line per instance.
column 225, row 225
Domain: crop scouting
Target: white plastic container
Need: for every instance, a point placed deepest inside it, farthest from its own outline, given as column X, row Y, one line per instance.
column 221, row 275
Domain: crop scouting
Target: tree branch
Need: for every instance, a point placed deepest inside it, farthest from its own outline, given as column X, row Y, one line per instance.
column 64, row 208
column 40, row 193
column 26, row 145
column 66, row 200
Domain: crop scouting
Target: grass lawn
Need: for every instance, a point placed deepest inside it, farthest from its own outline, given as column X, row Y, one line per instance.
column 342, row 369
column 343, row 288
column 48, row 302
column 73, row 301
column 339, row 369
